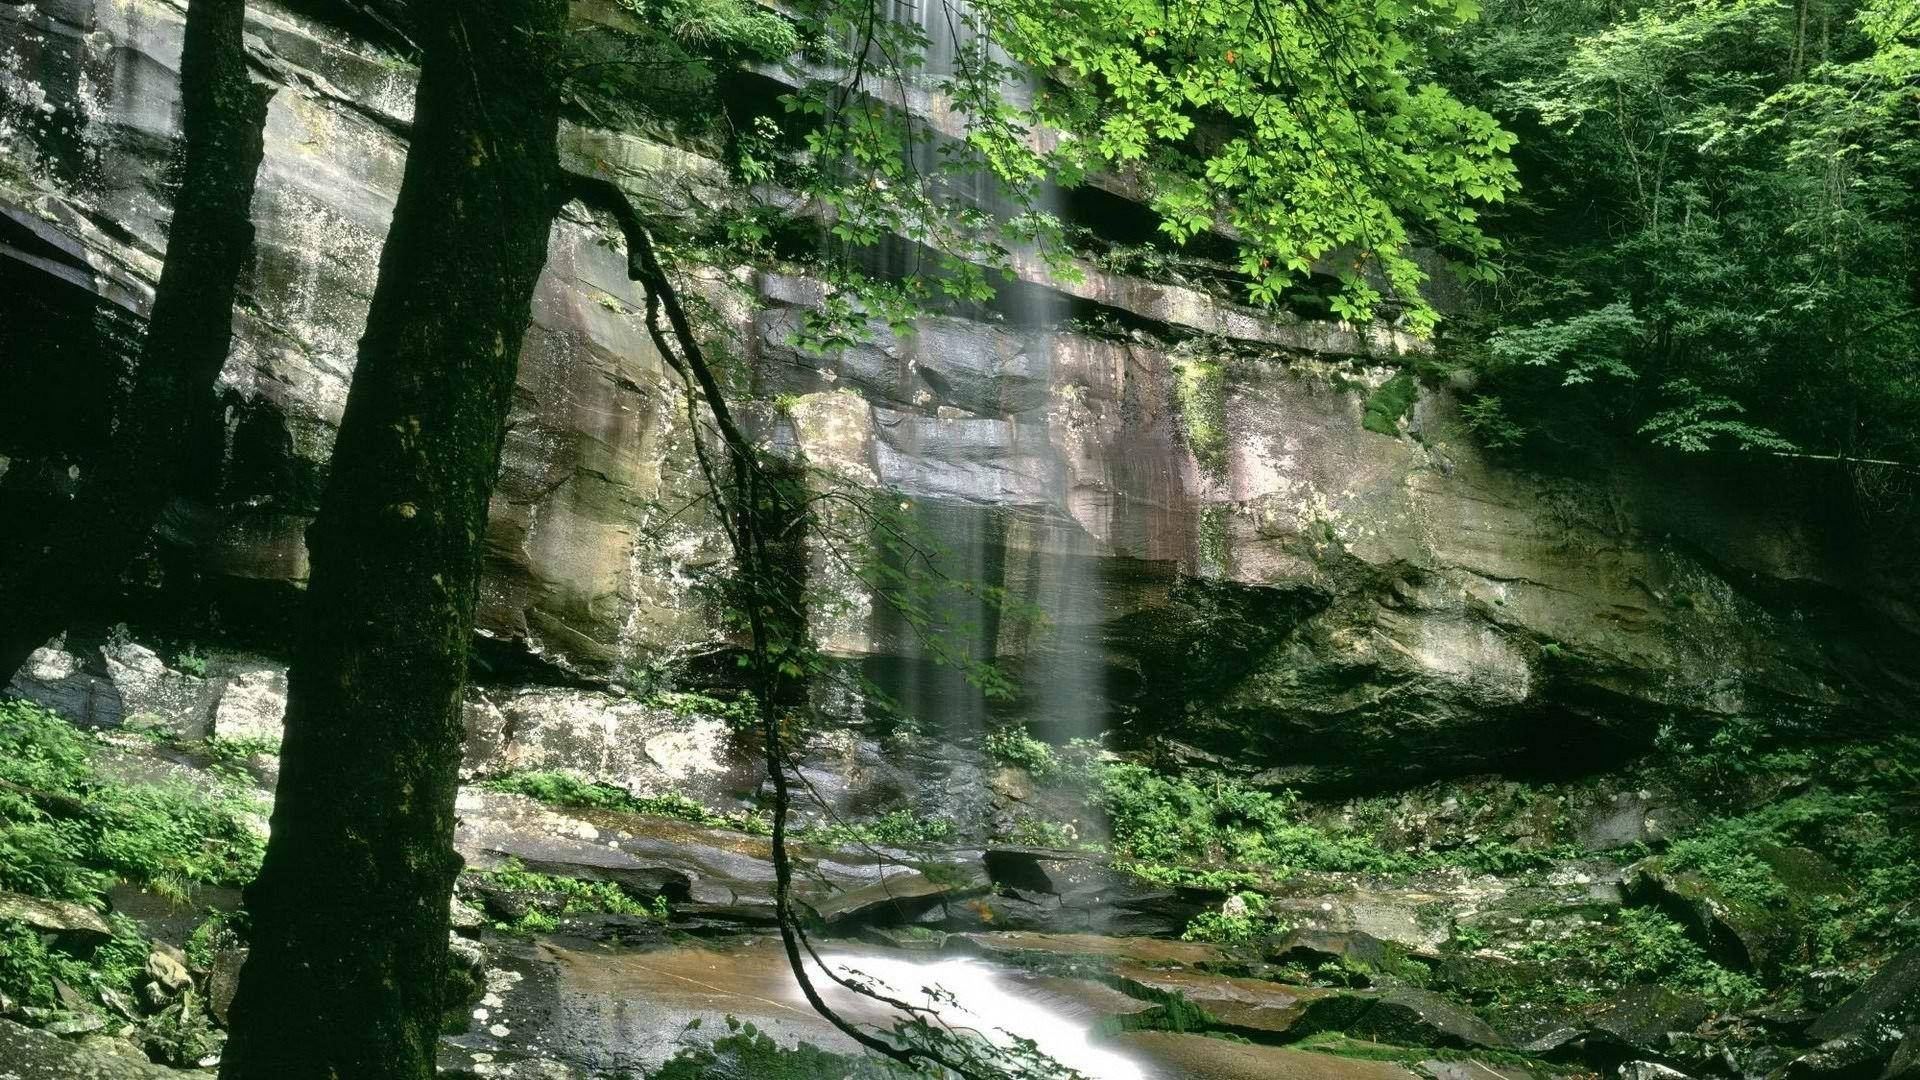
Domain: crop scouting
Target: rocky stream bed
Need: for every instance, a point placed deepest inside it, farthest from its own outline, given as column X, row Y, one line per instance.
column 600, row 942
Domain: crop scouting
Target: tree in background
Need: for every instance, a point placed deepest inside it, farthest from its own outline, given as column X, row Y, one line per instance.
column 1718, row 246
column 61, row 554
column 350, row 911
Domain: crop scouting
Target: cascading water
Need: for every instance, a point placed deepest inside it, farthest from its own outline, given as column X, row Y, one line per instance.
column 968, row 995
column 1001, row 514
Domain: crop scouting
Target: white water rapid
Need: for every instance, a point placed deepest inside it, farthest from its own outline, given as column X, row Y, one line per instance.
column 975, row 996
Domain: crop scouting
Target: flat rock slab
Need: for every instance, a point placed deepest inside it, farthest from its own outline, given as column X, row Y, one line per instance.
column 720, row 871
column 1171, row 1056
column 55, row 916
column 1150, row 952
column 604, row 1009
column 1254, row 1007
column 26, row 1054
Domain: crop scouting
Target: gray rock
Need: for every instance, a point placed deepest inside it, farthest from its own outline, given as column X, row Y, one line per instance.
column 223, row 982
column 1613, row 595
column 1892, row 996
column 252, row 706
column 1848, row 1056
column 168, row 967
column 1419, row 1018
column 1736, row 932
column 1649, row 1070
column 38, row 1055
column 1073, row 892
column 1311, row 948
column 1905, row 1063
column 113, row 684
column 54, row 916
column 1641, row 1017
column 85, row 1023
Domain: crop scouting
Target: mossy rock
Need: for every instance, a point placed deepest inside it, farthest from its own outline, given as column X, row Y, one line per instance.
column 1738, row 933
column 1385, row 406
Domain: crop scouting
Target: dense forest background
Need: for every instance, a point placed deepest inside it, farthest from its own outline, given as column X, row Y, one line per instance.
column 1351, row 538
column 1713, row 246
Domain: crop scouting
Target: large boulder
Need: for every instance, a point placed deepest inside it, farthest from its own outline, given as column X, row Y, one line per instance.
column 27, row 1054
column 1875, row 1032
column 1737, row 932
column 1074, row 892
column 1892, row 996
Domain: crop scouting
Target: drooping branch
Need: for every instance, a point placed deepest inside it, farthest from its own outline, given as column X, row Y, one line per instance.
column 744, row 524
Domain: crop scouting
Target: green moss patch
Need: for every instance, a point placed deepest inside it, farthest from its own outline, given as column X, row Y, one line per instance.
column 1385, row 406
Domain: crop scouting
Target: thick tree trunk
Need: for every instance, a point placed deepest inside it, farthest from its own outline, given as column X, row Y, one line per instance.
column 349, row 914
column 54, row 558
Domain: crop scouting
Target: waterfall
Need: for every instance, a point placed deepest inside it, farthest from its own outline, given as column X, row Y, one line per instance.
column 1016, row 528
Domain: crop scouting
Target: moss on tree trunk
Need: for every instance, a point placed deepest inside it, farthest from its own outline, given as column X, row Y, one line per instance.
column 56, row 557
column 349, row 914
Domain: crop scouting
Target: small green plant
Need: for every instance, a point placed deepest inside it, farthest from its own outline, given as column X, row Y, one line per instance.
column 1468, row 939
column 1243, row 918
column 1200, row 395
column 1486, row 416
column 1013, row 746
column 191, row 660
column 1385, row 406
column 737, row 711
column 894, row 829
column 549, row 896
column 1173, row 821
column 67, row 833
column 1039, row 832
column 566, row 789
column 1636, row 946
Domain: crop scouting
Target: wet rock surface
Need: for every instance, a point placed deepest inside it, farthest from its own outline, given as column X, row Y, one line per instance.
column 29, row 1054
column 1511, row 618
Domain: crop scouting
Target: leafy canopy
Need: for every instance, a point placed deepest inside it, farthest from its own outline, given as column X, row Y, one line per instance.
column 1306, row 133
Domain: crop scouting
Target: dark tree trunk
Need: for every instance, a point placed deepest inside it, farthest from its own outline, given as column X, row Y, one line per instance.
column 349, row 914
column 55, row 558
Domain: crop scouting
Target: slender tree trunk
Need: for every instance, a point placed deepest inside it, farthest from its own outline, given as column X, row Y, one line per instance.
column 349, row 914
column 54, row 560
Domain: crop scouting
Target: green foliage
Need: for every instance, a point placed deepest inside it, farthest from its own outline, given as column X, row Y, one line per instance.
column 737, row 710
column 1173, row 822
column 568, row 789
column 1039, row 832
column 721, row 29
column 1486, row 415
column 29, row 964
column 1314, row 137
column 549, row 896
column 1856, row 913
column 894, row 829
column 1385, row 406
column 69, row 833
column 191, row 660
column 169, row 836
column 1013, row 746
column 1242, row 919
column 1717, row 248
column 1200, row 393
column 1636, row 946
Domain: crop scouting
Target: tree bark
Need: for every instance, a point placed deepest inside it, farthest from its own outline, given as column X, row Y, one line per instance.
column 56, row 558
column 350, row 911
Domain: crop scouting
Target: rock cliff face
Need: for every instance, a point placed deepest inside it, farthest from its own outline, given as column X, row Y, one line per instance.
column 1226, row 555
